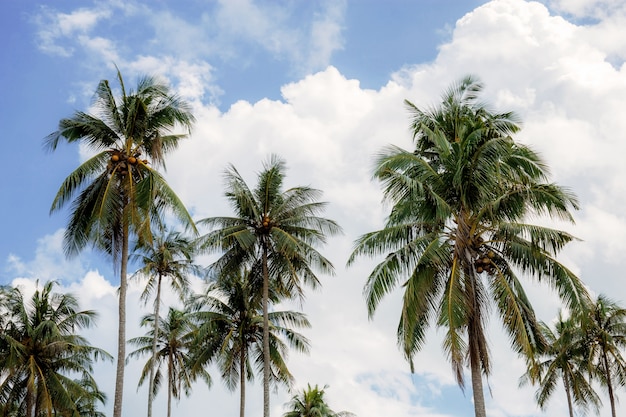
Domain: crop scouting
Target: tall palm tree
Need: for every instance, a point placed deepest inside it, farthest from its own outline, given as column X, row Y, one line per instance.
column 169, row 256
column 275, row 230
column 116, row 193
column 563, row 359
column 311, row 403
column 40, row 350
column 174, row 346
column 231, row 327
column 604, row 324
column 456, row 237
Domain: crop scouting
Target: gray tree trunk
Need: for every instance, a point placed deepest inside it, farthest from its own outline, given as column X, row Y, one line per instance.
column 121, row 327
column 157, row 305
column 266, row 338
column 242, row 382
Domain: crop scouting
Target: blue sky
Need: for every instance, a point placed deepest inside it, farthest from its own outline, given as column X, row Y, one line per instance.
column 322, row 84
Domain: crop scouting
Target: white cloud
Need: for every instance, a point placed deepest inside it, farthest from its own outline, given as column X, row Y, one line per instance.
column 49, row 262
column 274, row 29
column 599, row 9
column 55, row 27
column 326, row 35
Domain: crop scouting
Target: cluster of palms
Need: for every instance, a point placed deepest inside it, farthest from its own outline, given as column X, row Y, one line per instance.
column 39, row 350
column 456, row 240
column 267, row 250
column 585, row 346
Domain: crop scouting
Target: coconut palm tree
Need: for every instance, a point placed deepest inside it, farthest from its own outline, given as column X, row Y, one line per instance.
column 604, row 325
column 174, row 346
column 116, row 193
column 563, row 359
column 230, row 317
column 169, row 256
column 275, row 230
column 456, row 235
column 40, row 350
column 311, row 403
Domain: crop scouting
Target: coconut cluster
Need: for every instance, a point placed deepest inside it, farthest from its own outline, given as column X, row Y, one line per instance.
column 266, row 223
column 484, row 262
column 121, row 162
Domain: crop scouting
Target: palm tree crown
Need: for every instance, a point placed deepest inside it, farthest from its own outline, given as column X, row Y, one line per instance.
column 456, row 237
column 311, row 403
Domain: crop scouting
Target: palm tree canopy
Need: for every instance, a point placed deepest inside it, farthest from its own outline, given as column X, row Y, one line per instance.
column 286, row 222
column 604, row 325
column 563, row 359
column 169, row 256
column 311, row 403
column 40, row 349
column 116, row 182
column 456, row 236
column 230, row 321
column 174, row 349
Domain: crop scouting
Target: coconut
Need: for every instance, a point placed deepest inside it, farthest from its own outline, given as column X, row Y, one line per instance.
column 115, row 158
column 132, row 160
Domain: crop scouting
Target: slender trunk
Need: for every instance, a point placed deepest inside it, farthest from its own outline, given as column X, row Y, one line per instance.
column 609, row 384
column 474, row 327
column 569, row 395
column 121, row 331
column 266, row 337
column 170, row 382
column 157, row 305
column 242, row 381
column 477, row 377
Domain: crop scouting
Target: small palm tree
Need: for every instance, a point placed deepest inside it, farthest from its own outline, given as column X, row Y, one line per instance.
column 116, row 193
column 174, row 346
column 40, row 350
column 456, row 236
column 563, row 359
column 604, row 324
column 169, row 256
column 311, row 403
column 275, row 230
column 230, row 317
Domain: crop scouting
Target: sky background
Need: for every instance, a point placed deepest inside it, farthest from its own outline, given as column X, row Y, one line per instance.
column 322, row 84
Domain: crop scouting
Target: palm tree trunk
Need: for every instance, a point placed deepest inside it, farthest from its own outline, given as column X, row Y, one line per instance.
column 609, row 384
column 242, row 382
column 568, row 395
column 121, row 330
column 157, row 305
column 170, row 382
column 266, row 336
column 477, row 378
